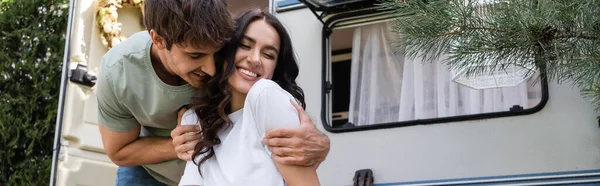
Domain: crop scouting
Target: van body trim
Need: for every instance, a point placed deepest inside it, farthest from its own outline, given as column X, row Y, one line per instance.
column 565, row 177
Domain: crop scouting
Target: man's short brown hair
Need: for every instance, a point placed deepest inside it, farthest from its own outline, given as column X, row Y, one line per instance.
column 198, row 23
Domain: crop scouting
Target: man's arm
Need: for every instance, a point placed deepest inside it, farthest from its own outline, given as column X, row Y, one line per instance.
column 118, row 127
column 304, row 145
column 127, row 149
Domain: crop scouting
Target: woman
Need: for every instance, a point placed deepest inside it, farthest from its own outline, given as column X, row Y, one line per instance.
column 249, row 94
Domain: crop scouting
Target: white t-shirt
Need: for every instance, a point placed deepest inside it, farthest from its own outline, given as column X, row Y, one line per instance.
column 241, row 158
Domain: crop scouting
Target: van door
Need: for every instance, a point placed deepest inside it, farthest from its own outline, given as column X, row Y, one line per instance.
column 81, row 159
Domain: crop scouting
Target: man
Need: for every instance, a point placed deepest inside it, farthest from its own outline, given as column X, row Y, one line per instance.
column 145, row 80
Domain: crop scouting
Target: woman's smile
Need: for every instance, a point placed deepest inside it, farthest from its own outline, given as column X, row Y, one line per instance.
column 248, row 72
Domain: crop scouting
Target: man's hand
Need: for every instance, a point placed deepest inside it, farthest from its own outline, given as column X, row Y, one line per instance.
column 185, row 138
column 304, row 146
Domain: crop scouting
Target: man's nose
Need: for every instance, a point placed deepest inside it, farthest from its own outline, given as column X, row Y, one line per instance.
column 209, row 65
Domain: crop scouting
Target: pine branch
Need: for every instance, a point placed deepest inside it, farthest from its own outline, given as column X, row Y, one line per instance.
column 578, row 37
column 462, row 30
column 559, row 36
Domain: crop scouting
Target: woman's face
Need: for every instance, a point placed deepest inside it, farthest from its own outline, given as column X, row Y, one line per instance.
column 256, row 56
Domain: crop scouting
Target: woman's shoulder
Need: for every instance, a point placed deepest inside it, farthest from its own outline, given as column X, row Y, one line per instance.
column 265, row 85
column 265, row 89
column 270, row 105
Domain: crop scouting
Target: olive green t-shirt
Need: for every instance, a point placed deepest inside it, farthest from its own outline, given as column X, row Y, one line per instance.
column 131, row 94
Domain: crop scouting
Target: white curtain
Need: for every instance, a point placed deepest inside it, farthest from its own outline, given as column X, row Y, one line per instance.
column 386, row 87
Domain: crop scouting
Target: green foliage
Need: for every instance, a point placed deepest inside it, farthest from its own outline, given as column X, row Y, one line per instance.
column 561, row 37
column 32, row 36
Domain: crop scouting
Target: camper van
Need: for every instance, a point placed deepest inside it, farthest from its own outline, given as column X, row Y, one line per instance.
column 392, row 120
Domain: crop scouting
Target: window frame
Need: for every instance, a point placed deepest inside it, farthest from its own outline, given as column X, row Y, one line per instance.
column 326, row 99
column 288, row 5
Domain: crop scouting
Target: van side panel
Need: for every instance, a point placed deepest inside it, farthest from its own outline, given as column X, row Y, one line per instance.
column 563, row 136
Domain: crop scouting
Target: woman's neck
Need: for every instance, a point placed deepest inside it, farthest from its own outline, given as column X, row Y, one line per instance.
column 237, row 101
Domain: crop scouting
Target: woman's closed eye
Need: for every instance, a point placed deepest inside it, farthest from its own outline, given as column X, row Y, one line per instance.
column 269, row 56
column 244, row 46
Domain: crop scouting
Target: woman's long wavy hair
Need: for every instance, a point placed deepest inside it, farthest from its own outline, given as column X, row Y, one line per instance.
column 213, row 109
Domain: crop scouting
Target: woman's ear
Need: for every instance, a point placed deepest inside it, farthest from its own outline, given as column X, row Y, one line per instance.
column 157, row 40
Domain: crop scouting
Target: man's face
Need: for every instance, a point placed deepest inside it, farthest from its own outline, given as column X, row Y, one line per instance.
column 194, row 65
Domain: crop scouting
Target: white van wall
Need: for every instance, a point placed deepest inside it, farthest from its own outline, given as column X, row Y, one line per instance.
column 563, row 136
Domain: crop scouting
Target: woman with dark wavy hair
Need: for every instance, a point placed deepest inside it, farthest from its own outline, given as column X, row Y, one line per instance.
column 249, row 94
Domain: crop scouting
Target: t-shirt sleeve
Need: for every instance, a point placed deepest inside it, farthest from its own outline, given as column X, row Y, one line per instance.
column 112, row 114
column 191, row 176
column 272, row 109
column 190, row 118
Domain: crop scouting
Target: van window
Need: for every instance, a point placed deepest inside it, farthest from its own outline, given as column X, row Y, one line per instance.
column 285, row 3
column 374, row 86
